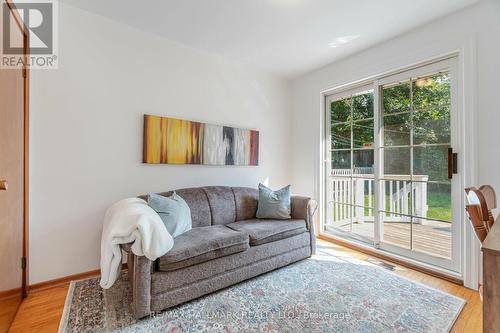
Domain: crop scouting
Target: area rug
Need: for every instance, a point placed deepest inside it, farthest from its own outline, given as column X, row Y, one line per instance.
column 325, row 293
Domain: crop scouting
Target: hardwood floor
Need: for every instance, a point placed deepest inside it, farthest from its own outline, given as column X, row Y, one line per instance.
column 8, row 309
column 42, row 310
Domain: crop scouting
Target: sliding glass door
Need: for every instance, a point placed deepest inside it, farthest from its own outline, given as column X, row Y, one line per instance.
column 389, row 176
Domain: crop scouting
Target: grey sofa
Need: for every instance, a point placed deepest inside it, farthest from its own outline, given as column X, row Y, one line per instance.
column 226, row 245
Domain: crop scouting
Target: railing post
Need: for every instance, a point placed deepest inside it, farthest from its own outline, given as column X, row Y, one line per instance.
column 360, row 200
column 421, row 206
column 404, row 198
column 329, row 200
column 424, row 199
column 418, row 201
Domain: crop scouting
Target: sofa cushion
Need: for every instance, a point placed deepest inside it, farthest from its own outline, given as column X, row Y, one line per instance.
column 264, row 231
column 203, row 244
column 246, row 200
column 197, row 201
column 163, row 281
column 222, row 206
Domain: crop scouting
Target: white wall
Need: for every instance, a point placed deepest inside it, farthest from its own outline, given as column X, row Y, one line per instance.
column 86, row 130
column 474, row 30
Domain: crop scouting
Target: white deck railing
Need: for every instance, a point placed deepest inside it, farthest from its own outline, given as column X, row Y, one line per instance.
column 402, row 196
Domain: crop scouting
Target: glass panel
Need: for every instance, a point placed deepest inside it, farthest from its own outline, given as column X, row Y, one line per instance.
column 340, row 111
column 398, row 197
column 362, row 134
column 397, row 129
column 341, row 216
column 432, row 237
column 357, row 221
column 363, row 222
column 354, row 121
column 363, row 162
column 341, row 190
column 432, row 200
column 329, row 212
column 397, row 162
column 396, row 98
column 430, row 163
column 432, row 92
column 432, row 126
column 341, row 136
column 362, row 106
column 397, row 230
column 341, row 160
column 363, row 192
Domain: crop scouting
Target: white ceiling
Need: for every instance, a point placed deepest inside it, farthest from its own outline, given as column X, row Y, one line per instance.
column 284, row 37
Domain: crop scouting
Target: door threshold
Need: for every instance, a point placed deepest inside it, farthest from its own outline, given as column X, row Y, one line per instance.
column 435, row 271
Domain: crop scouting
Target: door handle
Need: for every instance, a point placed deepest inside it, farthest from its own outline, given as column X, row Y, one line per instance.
column 4, row 185
column 452, row 163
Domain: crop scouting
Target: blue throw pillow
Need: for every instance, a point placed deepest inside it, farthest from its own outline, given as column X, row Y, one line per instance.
column 273, row 204
column 174, row 212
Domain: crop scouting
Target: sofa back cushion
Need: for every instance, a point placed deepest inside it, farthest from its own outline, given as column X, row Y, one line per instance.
column 197, row 201
column 221, row 200
column 213, row 205
column 246, row 200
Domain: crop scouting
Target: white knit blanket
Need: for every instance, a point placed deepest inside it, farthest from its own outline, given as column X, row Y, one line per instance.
column 131, row 221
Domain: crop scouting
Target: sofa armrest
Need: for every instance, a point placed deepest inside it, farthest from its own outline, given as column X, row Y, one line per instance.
column 140, row 269
column 304, row 208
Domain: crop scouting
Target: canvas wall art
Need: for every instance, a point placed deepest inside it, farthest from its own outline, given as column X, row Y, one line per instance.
column 176, row 141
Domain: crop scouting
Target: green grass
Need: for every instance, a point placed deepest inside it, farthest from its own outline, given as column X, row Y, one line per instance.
column 439, row 206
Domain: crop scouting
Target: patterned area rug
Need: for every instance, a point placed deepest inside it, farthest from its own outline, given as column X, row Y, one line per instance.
column 326, row 293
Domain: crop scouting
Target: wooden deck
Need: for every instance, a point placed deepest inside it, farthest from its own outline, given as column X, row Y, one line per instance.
column 434, row 238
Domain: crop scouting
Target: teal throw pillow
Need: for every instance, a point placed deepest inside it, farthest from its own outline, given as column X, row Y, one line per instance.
column 273, row 204
column 174, row 212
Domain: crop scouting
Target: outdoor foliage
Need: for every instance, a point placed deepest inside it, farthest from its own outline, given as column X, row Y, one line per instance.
column 414, row 112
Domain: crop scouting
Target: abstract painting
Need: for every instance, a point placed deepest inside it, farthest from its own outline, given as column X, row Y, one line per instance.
column 176, row 141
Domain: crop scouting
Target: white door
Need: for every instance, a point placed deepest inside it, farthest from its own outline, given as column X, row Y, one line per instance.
column 390, row 177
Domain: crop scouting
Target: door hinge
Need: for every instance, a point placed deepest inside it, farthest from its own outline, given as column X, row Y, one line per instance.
column 23, row 262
